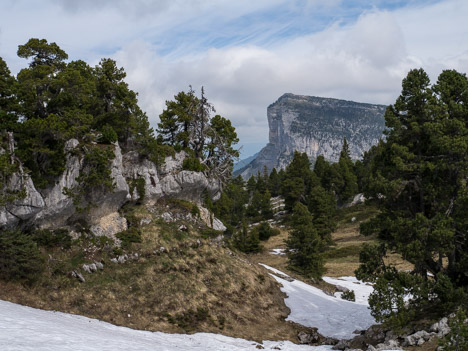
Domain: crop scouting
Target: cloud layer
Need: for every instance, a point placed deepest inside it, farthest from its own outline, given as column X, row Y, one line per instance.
column 247, row 55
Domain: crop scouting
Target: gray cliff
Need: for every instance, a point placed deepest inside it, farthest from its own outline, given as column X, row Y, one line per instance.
column 316, row 126
column 51, row 208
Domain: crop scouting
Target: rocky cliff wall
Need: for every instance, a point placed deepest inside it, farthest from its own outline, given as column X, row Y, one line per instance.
column 51, row 208
column 316, row 126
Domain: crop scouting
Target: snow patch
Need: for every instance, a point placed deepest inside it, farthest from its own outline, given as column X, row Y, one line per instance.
column 28, row 329
column 361, row 290
column 278, row 251
column 311, row 307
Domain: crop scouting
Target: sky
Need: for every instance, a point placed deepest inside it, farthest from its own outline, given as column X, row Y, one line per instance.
column 247, row 53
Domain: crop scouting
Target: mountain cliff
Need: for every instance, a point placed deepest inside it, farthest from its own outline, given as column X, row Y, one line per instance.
column 316, row 126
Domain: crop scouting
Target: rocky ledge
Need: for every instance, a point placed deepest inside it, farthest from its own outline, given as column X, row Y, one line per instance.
column 52, row 208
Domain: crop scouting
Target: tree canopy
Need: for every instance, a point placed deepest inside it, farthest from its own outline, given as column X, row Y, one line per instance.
column 419, row 176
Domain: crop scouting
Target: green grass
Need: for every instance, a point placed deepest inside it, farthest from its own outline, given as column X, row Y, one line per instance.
column 342, row 252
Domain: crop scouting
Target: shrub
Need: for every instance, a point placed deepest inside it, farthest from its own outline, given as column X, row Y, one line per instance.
column 349, row 295
column 265, row 231
column 129, row 236
column 193, row 164
column 138, row 185
column 52, row 238
column 195, row 211
column 20, row 258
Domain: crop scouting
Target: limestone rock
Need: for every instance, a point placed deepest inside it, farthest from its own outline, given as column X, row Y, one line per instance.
column 136, row 168
column 58, row 206
column 109, row 225
column 417, row 338
column 316, row 126
column 210, row 220
column 173, row 164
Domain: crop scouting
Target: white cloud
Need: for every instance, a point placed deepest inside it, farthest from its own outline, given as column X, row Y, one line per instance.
column 165, row 46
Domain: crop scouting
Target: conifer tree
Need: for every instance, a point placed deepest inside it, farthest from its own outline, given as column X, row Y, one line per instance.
column 304, row 244
column 419, row 177
column 274, row 183
column 349, row 186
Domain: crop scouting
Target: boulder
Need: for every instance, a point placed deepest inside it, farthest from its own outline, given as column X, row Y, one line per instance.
column 109, row 225
column 308, row 338
column 418, row 338
column 210, row 220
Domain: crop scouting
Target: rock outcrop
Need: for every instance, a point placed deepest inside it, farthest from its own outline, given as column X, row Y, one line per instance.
column 316, row 126
column 52, row 208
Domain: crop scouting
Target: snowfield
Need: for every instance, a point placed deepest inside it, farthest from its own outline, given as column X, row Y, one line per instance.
column 332, row 316
column 26, row 329
column 361, row 289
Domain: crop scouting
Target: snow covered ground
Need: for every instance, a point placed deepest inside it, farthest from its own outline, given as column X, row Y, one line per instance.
column 361, row 289
column 332, row 316
column 26, row 329
column 278, row 251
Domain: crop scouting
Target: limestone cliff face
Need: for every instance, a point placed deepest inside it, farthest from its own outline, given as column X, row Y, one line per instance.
column 316, row 126
column 52, row 208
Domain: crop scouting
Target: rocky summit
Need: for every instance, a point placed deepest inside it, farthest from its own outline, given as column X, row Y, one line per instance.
column 316, row 126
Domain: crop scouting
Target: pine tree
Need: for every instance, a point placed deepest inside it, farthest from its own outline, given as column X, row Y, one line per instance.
column 274, row 183
column 349, row 186
column 322, row 205
column 419, row 177
column 298, row 180
column 304, row 244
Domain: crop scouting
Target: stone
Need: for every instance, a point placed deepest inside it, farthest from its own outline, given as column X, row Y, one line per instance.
column 342, row 289
column 308, row 338
column 109, row 225
column 167, row 217
column 341, row 345
column 418, row 338
column 443, row 327
column 145, row 221
column 99, row 265
column 76, row 274
column 388, row 345
column 210, row 220
column 86, row 268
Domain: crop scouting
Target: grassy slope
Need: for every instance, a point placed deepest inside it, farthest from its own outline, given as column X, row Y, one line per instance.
column 194, row 285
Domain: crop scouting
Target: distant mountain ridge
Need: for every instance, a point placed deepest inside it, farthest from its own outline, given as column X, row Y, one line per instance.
column 243, row 163
column 316, row 126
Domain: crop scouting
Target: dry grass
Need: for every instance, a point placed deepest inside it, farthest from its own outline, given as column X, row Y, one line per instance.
column 187, row 288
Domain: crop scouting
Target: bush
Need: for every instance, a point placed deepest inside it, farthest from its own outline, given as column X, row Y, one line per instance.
column 20, row 258
column 52, row 238
column 265, row 231
column 349, row 295
column 193, row 164
column 210, row 233
column 129, row 236
column 138, row 185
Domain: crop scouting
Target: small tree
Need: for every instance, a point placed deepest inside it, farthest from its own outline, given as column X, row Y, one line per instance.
column 304, row 244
